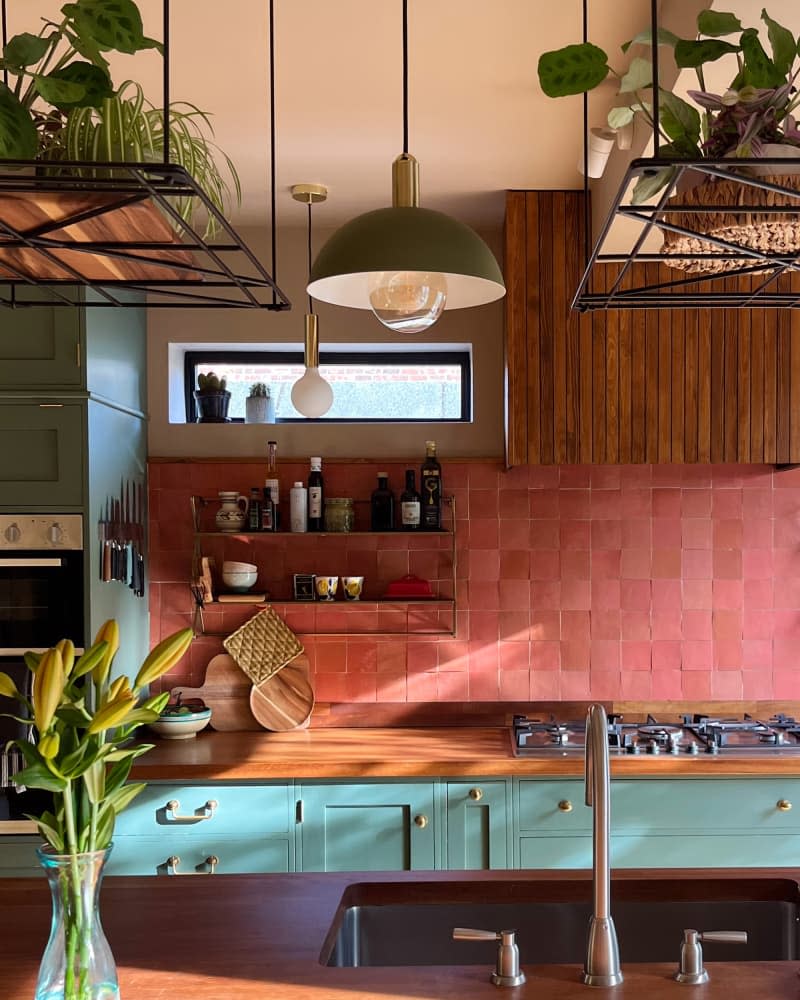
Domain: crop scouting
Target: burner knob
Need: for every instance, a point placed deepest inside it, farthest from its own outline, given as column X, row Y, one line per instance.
column 55, row 533
column 653, row 747
column 693, row 749
column 784, row 805
column 12, row 533
column 712, row 748
column 633, row 748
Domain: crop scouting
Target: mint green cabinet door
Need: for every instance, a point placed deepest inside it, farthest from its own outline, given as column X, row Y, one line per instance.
column 362, row 827
column 41, row 442
column 40, row 347
column 478, row 825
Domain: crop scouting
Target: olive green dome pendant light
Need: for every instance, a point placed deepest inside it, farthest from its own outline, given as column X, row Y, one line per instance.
column 406, row 263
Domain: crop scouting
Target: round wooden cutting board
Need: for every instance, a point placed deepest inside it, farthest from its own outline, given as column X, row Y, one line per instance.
column 286, row 700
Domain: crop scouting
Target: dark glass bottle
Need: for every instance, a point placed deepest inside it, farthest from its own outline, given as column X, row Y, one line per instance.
column 315, row 495
column 382, row 505
column 254, row 510
column 272, row 482
column 268, row 511
column 410, row 504
column 430, row 482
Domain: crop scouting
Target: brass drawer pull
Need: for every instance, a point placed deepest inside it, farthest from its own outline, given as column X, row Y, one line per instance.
column 172, row 866
column 207, row 812
column 421, row 821
column 476, row 794
column 565, row 806
column 784, row 805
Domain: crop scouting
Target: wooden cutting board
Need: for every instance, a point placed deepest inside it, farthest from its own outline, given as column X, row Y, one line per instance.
column 226, row 691
column 286, row 700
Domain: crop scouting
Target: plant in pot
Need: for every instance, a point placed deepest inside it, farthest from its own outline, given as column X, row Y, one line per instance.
column 258, row 406
column 212, row 399
column 752, row 118
column 61, row 104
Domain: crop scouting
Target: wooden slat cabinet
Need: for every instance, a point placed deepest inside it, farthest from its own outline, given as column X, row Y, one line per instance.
column 623, row 386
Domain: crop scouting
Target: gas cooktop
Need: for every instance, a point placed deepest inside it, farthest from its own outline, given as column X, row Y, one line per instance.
column 693, row 734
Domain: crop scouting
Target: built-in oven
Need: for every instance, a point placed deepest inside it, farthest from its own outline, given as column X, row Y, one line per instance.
column 41, row 601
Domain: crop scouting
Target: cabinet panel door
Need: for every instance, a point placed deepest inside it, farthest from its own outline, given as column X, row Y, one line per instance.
column 18, row 856
column 42, row 447
column 477, row 828
column 40, row 347
column 235, row 855
column 359, row 827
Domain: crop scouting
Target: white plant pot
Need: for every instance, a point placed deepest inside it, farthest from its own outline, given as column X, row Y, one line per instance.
column 600, row 142
column 259, row 410
column 777, row 150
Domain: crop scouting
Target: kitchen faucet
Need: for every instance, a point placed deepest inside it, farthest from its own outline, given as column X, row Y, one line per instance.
column 602, row 953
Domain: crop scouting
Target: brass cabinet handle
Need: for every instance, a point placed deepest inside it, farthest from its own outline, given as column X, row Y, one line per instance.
column 784, row 805
column 207, row 812
column 565, row 806
column 421, row 821
column 172, row 866
column 476, row 794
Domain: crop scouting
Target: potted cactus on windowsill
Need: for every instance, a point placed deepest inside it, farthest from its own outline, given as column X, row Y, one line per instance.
column 212, row 399
column 259, row 407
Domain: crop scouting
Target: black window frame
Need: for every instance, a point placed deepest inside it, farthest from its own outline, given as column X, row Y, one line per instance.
column 217, row 359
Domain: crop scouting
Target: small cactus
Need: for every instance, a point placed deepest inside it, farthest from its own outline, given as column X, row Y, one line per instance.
column 210, row 382
column 259, row 389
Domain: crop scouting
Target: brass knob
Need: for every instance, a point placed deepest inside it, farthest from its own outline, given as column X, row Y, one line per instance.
column 565, row 806
column 476, row 794
column 784, row 805
column 421, row 821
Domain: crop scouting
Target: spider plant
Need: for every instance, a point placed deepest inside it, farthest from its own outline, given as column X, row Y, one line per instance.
column 127, row 128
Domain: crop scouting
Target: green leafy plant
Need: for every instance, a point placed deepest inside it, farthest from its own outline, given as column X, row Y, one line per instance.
column 259, row 389
column 210, row 382
column 756, row 109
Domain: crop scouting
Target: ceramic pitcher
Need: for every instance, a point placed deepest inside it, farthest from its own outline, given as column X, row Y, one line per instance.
column 232, row 512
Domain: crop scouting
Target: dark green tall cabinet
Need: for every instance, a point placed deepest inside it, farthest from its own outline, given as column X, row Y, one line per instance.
column 73, row 431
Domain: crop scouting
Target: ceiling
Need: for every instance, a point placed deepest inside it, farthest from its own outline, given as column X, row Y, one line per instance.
column 478, row 121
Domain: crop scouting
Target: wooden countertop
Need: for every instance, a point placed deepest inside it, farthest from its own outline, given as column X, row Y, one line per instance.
column 412, row 752
column 246, row 937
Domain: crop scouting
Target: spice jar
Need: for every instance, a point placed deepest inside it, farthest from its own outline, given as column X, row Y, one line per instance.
column 339, row 514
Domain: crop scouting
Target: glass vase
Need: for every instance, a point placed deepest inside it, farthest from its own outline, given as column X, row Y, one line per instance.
column 77, row 963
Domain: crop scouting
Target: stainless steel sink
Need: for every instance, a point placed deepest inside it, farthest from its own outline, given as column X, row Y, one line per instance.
column 412, row 923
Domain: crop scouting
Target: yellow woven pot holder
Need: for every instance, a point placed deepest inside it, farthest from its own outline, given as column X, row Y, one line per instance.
column 263, row 645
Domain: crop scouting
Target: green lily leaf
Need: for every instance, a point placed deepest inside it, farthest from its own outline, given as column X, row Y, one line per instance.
column 646, row 38
column 25, row 50
column 122, row 797
column 113, row 24
column 678, row 119
column 716, row 22
column 759, row 69
column 38, row 776
column 784, row 47
column 94, row 778
column 650, row 184
column 639, row 76
column 572, row 70
column 118, row 775
column 32, row 661
column 49, row 829
column 690, row 55
column 94, row 82
column 56, row 91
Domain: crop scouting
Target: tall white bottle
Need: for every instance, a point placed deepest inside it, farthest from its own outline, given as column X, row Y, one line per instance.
column 298, row 508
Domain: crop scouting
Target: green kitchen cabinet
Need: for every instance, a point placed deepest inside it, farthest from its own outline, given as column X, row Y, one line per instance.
column 41, row 441
column 41, row 348
column 18, row 855
column 360, row 826
column 478, row 827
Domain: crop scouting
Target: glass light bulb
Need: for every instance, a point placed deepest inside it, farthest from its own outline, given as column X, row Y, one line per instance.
column 407, row 301
column 311, row 394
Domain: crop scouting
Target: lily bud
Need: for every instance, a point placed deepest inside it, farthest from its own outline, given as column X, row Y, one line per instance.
column 109, row 631
column 111, row 714
column 48, row 687
column 48, row 745
column 67, row 649
column 163, row 657
column 8, row 689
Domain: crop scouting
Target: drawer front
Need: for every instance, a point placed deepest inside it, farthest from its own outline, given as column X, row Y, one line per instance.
column 552, row 807
column 240, row 855
column 42, row 447
column 714, row 805
column 555, row 852
column 18, row 856
column 239, row 810
column 705, row 851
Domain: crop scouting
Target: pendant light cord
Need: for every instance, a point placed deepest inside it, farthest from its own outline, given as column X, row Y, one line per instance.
column 405, row 76
column 310, row 303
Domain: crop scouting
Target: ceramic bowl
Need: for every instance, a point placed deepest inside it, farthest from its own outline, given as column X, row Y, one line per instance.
column 239, row 581
column 181, row 727
column 230, row 566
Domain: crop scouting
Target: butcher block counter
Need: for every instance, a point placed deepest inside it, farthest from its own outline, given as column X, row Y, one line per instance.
column 252, row 937
column 410, row 752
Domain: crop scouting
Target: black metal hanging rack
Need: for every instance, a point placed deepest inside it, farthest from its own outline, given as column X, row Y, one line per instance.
column 177, row 268
column 752, row 278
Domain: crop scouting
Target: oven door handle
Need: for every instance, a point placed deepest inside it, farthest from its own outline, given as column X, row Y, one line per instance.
column 11, row 827
column 10, row 563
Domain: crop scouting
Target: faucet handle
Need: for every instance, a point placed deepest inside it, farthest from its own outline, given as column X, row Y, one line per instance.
column 691, row 971
column 507, row 972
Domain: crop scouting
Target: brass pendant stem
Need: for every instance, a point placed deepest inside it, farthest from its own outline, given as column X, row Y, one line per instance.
column 312, row 341
column 405, row 182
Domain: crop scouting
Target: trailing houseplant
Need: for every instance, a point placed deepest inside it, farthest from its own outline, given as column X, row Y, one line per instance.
column 61, row 102
column 83, row 722
column 754, row 113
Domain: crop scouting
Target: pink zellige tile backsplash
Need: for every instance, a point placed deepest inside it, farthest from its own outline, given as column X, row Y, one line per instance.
column 573, row 582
